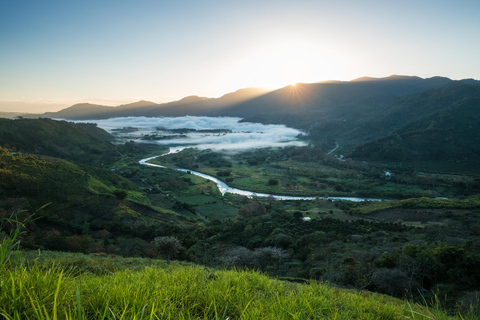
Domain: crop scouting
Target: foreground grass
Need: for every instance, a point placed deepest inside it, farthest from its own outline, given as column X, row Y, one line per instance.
column 42, row 290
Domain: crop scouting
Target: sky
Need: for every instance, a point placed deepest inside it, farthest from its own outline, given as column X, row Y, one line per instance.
column 54, row 54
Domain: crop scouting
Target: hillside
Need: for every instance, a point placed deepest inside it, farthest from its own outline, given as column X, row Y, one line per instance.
column 86, row 207
column 85, row 143
column 120, row 210
column 436, row 125
column 87, row 287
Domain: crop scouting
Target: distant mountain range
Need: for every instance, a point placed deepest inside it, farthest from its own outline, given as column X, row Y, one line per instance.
column 363, row 116
column 189, row 105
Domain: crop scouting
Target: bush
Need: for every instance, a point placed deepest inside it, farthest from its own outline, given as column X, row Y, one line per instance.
column 168, row 246
column 120, row 194
column 272, row 182
column 224, row 173
column 393, row 282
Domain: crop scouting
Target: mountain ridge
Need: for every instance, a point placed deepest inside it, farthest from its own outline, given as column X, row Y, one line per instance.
column 350, row 113
column 246, row 102
column 192, row 104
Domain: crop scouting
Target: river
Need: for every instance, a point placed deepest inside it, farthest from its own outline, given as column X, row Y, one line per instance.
column 224, row 188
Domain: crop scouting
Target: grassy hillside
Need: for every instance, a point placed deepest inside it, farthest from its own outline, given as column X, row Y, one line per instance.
column 88, row 208
column 85, row 143
column 67, row 286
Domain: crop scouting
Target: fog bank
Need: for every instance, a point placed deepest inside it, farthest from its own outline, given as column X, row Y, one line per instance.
column 243, row 135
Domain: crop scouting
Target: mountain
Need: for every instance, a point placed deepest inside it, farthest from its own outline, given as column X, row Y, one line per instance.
column 79, row 111
column 191, row 105
column 352, row 114
column 10, row 115
column 371, row 119
column 436, row 125
column 205, row 106
column 311, row 102
column 138, row 104
column 301, row 105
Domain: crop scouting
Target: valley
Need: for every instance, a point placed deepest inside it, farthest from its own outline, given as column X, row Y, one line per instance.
column 239, row 160
column 86, row 188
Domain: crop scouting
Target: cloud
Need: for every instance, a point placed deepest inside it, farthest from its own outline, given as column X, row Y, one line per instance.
column 244, row 135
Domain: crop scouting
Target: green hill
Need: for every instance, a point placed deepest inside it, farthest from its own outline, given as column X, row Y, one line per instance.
column 84, row 143
column 437, row 125
column 88, row 208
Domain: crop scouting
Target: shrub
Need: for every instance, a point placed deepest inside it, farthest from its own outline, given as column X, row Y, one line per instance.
column 393, row 282
column 120, row 194
column 168, row 246
column 272, row 182
column 224, row 173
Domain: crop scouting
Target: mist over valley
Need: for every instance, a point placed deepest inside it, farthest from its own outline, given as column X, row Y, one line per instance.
column 216, row 133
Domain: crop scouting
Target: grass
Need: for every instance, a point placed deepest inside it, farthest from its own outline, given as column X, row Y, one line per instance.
column 209, row 206
column 54, row 286
column 96, row 186
column 370, row 207
column 137, row 196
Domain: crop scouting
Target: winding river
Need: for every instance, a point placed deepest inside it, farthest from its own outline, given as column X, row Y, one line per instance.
column 224, row 188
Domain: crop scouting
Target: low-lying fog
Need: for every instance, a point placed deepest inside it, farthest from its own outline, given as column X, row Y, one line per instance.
column 216, row 133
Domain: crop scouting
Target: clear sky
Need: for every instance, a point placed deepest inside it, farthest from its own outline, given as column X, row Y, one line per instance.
column 57, row 53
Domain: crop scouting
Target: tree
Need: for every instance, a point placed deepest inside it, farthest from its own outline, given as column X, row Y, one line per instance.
column 120, row 194
column 168, row 246
column 297, row 215
column 269, row 256
column 272, row 182
column 238, row 257
column 393, row 282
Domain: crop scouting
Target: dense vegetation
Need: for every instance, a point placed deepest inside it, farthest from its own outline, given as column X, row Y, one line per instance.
column 418, row 248
column 83, row 143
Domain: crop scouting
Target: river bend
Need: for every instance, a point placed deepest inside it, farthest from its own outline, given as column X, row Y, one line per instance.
column 224, row 188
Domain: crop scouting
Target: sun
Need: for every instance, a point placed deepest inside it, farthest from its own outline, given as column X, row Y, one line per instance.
column 275, row 65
